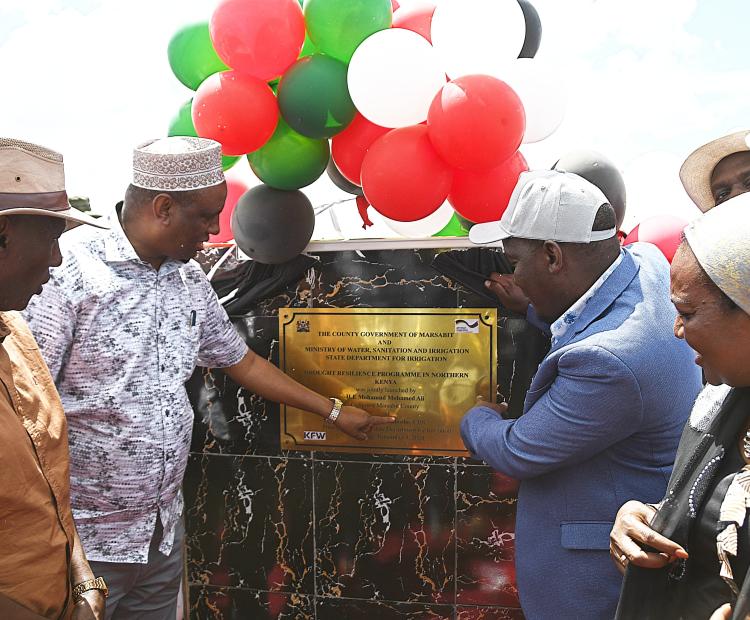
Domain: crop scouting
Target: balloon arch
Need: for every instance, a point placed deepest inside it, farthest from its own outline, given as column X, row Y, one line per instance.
column 417, row 110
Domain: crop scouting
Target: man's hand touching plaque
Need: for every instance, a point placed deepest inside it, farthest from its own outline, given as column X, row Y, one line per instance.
column 358, row 423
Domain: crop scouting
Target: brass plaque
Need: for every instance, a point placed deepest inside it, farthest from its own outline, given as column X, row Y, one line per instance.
column 426, row 366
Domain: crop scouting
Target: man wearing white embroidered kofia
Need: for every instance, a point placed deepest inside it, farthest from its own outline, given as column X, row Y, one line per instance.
column 122, row 325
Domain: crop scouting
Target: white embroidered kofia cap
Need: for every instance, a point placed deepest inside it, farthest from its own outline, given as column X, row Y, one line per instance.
column 32, row 182
column 177, row 163
column 549, row 205
column 720, row 240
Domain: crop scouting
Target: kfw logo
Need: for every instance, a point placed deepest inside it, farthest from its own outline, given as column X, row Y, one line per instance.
column 315, row 435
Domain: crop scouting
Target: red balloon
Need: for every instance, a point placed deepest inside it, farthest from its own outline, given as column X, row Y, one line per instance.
column 261, row 38
column 349, row 148
column 664, row 231
column 483, row 195
column 476, row 122
column 235, row 189
column 403, row 177
column 237, row 110
column 416, row 17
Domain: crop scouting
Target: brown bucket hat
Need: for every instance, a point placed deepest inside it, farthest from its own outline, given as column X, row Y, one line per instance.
column 32, row 182
column 695, row 173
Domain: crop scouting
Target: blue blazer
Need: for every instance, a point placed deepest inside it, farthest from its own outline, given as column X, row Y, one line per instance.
column 601, row 424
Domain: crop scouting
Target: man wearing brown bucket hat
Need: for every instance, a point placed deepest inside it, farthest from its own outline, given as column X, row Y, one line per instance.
column 44, row 572
column 718, row 171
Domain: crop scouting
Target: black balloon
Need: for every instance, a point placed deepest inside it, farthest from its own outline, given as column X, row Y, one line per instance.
column 340, row 181
column 533, row 30
column 272, row 226
column 602, row 172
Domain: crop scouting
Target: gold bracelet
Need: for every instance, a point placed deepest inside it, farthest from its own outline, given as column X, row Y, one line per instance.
column 90, row 584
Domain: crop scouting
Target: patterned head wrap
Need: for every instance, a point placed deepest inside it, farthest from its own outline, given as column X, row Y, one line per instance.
column 720, row 240
column 177, row 163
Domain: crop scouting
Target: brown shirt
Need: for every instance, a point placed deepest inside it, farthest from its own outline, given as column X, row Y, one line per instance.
column 36, row 524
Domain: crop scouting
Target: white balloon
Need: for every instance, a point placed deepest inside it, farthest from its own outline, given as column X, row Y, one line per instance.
column 426, row 227
column 477, row 36
column 393, row 77
column 542, row 90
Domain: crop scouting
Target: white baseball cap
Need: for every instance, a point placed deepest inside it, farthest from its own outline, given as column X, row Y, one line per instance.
column 549, row 205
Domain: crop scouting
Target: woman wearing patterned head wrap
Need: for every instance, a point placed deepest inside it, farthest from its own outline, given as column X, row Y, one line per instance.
column 690, row 555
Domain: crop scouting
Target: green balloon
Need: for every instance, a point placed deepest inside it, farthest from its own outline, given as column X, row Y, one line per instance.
column 192, row 55
column 314, row 98
column 454, row 228
column 182, row 125
column 337, row 27
column 289, row 160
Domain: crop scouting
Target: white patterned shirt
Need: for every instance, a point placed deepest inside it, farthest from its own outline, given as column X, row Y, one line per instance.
column 560, row 327
column 121, row 339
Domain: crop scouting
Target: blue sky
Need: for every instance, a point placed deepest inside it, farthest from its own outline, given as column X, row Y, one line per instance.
column 648, row 81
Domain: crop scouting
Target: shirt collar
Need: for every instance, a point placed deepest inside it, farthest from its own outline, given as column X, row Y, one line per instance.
column 118, row 249
column 570, row 316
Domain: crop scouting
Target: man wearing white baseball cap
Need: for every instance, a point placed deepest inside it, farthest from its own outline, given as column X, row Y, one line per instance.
column 604, row 413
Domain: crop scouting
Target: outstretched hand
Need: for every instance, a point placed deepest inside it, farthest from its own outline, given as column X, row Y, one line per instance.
column 358, row 423
column 508, row 292
column 632, row 532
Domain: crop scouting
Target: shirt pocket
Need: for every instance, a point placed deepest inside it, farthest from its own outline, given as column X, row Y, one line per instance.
column 190, row 345
column 585, row 535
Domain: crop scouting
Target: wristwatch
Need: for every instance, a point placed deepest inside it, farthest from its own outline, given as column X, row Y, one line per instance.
column 334, row 415
column 90, row 584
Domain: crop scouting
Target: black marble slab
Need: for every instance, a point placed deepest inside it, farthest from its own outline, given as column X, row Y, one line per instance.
column 250, row 523
column 385, row 531
column 323, row 535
